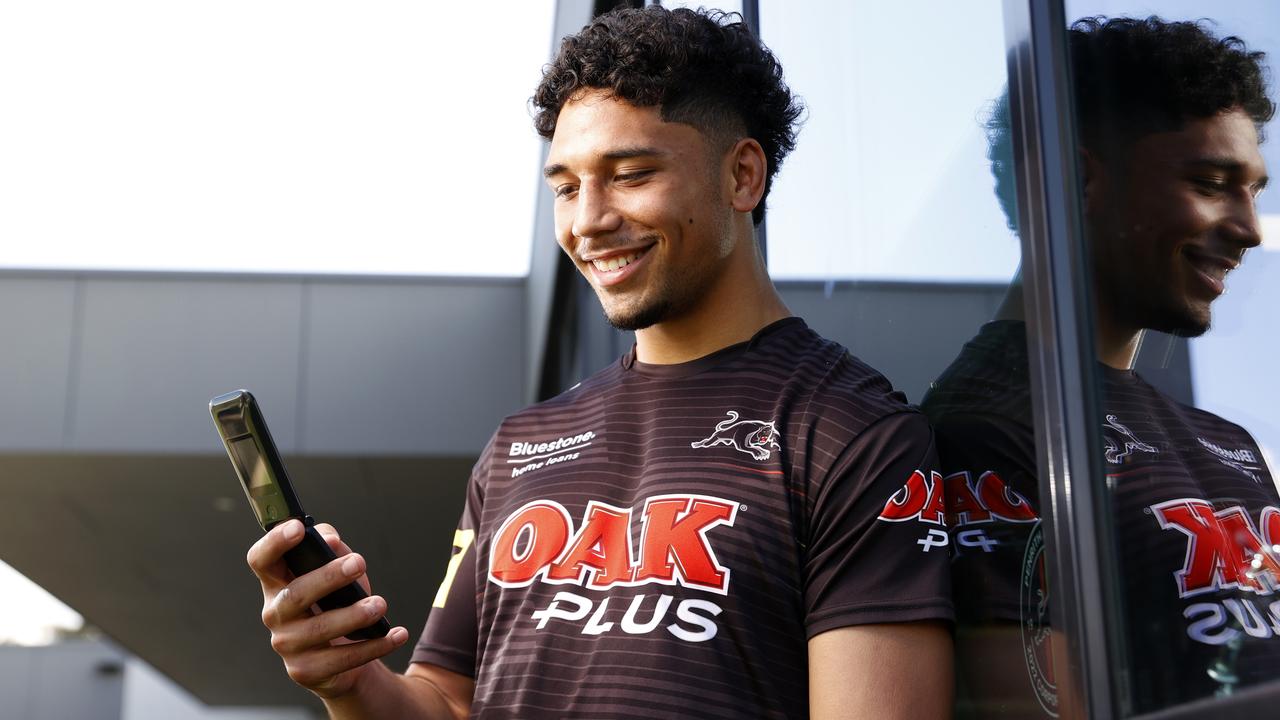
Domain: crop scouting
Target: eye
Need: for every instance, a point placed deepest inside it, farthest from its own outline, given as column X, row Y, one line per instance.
column 1209, row 184
column 565, row 191
column 633, row 176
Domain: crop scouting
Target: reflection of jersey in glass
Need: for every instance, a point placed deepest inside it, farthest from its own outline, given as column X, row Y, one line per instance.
column 1192, row 503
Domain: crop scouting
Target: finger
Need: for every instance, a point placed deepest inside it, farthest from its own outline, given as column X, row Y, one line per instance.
column 340, row 548
column 315, row 668
column 327, row 530
column 330, row 535
column 296, row 599
column 266, row 556
column 322, row 629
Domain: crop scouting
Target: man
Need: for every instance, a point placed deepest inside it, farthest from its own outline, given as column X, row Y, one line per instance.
column 695, row 531
column 1169, row 122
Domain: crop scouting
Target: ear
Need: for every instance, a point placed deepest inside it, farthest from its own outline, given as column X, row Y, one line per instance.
column 748, row 169
column 1093, row 181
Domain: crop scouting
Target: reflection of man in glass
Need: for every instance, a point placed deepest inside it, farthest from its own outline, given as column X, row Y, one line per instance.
column 1170, row 120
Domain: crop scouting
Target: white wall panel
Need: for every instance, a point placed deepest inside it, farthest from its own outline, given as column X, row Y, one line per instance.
column 411, row 368
column 36, row 319
column 155, row 351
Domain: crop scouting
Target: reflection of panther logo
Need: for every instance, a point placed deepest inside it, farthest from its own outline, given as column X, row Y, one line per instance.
column 753, row 437
column 1127, row 440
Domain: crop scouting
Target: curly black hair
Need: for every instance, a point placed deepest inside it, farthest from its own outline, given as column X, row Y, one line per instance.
column 1133, row 77
column 702, row 68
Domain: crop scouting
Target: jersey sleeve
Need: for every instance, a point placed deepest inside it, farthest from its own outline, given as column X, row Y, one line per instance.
column 877, row 542
column 450, row 636
column 993, row 504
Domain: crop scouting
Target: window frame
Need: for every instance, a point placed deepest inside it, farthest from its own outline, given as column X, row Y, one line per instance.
column 1080, row 540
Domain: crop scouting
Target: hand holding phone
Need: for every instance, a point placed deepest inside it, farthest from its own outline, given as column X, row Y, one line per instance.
column 274, row 502
column 315, row 653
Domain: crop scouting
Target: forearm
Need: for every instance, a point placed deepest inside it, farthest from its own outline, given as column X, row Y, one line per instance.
column 385, row 695
column 897, row 671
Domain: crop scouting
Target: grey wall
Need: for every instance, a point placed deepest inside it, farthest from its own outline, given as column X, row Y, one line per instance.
column 81, row 680
column 380, row 391
column 909, row 331
column 127, row 363
column 544, row 262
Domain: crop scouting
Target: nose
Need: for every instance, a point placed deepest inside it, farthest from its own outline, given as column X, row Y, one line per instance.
column 1242, row 225
column 595, row 214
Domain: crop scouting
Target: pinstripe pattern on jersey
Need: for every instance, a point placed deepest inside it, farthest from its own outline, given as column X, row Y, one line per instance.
column 981, row 411
column 804, row 552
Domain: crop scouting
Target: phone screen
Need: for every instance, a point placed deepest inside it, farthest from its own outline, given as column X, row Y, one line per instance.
column 253, row 466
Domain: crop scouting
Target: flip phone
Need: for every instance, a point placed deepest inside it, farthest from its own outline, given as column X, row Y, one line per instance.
column 266, row 484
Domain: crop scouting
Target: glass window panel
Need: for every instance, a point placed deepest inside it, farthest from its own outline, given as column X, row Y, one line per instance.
column 890, row 204
column 892, row 157
column 283, row 136
column 1169, row 154
column 729, row 6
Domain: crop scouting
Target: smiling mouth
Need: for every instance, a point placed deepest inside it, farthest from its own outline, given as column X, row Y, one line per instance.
column 617, row 262
column 614, row 263
column 1212, row 269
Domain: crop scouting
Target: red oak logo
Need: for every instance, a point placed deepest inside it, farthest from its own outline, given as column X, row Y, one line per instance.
column 919, row 499
column 988, row 499
column 538, row 542
column 1224, row 548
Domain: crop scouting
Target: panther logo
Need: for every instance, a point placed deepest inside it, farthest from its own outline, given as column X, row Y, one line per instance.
column 753, row 437
column 1127, row 440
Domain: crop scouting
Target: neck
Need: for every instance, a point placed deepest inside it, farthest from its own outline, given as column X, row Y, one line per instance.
column 739, row 302
column 1117, row 345
column 1012, row 304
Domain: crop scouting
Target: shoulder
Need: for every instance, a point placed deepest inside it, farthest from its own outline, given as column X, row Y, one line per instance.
column 1203, row 422
column 835, row 384
column 989, row 377
column 845, row 411
column 565, row 422
column 566, row 405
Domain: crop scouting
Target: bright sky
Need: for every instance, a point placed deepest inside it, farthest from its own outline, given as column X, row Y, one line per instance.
column 889, row 178
column 288, row 135
column 28, row 614
column 331, row 137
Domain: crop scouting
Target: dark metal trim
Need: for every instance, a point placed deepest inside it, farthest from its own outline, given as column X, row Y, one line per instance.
column 558, row 326
column 917, row 286
column 1258, row 701
column 600, row 7
column 548, row 304
column 1075, row 502
column 751, row 16
column 134, row 275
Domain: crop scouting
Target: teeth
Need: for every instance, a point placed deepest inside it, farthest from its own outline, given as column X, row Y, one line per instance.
column 615, row 263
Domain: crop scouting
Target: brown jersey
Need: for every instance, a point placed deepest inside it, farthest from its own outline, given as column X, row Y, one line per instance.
column 1196, row 513
column 661, row 541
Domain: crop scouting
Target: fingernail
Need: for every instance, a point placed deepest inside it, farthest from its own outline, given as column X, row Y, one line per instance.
column 292, row 530
column 399, row 635
column 351, row 565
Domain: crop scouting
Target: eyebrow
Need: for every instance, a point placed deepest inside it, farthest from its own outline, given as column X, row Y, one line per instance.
column 623, row 153
column 1224, row 164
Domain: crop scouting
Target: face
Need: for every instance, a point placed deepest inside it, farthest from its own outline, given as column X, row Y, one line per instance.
column 640, row 208
column 1170, row 225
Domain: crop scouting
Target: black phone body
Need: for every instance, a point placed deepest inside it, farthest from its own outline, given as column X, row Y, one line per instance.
column 271, row 495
